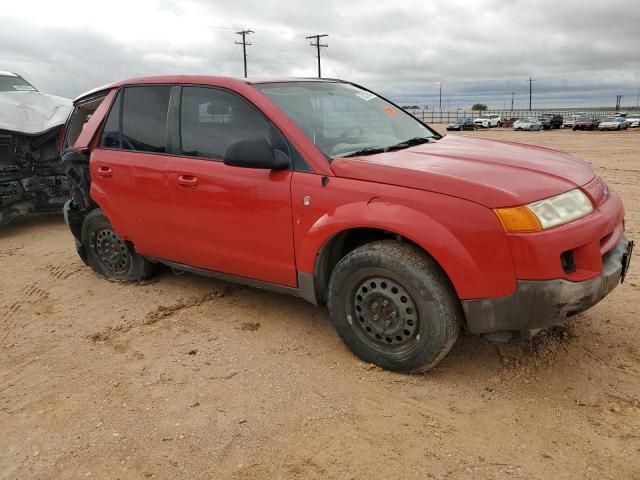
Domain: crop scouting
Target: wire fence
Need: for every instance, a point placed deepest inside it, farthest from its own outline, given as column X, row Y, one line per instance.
column 437, row 116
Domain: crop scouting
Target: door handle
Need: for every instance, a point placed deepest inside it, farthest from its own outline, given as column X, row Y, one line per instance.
column 188, row 180
column 105, row 172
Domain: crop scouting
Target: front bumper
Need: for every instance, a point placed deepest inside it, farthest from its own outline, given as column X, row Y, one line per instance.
column 538, row 304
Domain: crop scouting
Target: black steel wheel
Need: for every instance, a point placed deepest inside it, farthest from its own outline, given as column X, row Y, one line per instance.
column 386, row 313
column 108, row 254
column 393, row 306
column 111, row 250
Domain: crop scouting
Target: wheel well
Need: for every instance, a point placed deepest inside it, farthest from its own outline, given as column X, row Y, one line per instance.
column 340, row 245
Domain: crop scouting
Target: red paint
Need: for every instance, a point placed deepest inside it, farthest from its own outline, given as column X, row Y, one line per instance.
column 254, row 223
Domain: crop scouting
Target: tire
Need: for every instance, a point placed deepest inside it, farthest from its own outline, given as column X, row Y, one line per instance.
column 393, row 306
column 108, row 255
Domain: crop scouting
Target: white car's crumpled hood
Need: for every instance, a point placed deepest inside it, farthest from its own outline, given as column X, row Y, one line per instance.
column 32, row 112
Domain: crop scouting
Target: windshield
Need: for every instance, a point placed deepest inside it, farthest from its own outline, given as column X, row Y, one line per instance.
column 610, row 119
column 9, row 83
column 343, row 120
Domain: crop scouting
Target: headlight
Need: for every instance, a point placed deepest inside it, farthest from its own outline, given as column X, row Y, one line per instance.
column 547, row 213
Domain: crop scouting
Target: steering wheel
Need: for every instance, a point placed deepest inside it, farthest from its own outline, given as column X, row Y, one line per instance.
column 343, row 136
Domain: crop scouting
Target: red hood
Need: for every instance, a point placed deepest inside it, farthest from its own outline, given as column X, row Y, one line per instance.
column 490, row 172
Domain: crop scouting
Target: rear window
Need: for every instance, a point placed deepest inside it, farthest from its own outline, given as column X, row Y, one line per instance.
column 80, row 116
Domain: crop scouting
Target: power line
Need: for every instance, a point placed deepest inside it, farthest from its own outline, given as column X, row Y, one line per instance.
column 318, row 45
column 244, row 44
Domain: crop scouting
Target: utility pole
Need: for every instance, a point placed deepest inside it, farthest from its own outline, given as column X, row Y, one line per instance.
column 618, row 101
column 318, row 45
column 440, row 84
column 512, row 95
column 530, row 91
column 244, row 44
column 638, row 99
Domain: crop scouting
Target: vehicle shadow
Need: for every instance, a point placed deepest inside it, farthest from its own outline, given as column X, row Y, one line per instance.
column 31, row 221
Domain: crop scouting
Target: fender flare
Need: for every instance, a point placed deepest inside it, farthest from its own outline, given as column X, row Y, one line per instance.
column 412, row 224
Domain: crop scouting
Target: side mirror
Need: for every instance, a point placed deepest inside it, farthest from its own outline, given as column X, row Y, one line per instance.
column 255, row 153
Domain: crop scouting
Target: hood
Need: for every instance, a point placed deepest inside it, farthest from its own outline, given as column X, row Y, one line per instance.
column 489, row 172
column 32, row 112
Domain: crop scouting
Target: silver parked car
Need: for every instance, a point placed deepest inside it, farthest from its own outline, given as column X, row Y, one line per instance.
column 613, row 123
column 530, row 123
column 633, row 120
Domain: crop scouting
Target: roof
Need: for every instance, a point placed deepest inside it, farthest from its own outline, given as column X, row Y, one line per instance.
column 203, row 80
column 8, row 74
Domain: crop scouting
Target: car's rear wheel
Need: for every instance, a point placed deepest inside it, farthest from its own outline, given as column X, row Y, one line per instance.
column 393, row 306
column 108, row 254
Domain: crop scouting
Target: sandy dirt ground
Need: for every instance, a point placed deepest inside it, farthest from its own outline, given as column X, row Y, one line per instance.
column 184, row 377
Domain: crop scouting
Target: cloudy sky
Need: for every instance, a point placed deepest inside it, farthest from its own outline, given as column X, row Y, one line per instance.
column 579, row 52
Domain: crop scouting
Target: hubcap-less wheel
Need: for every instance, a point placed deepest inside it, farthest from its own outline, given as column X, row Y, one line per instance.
column 386, row 317
column 112, row 251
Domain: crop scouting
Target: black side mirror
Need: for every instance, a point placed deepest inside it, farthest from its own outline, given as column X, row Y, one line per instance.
column 255, row 153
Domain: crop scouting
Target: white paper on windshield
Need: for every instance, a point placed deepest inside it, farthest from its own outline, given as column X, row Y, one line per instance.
column 366, row 96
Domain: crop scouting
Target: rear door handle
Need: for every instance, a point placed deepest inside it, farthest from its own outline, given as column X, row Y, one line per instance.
column 105, row 171
column 188, row 180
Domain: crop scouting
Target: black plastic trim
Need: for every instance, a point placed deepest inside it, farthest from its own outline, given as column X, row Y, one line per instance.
column 305, row 289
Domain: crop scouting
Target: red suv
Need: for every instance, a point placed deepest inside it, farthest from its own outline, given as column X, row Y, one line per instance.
column 325, row 190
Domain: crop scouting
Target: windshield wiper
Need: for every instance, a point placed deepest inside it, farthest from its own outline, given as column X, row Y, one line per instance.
column 398, row 146
column 365, row 151
column 409, row 143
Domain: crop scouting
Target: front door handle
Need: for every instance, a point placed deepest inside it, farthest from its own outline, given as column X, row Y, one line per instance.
column 188, row 180
column 105, row 172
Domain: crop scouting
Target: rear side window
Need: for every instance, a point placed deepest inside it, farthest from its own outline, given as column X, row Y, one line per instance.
column 144, row 118
column 111, row 133
column 211, row 120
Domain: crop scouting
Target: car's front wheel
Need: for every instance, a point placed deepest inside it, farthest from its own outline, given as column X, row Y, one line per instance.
column 108, row 254
column 393, row 306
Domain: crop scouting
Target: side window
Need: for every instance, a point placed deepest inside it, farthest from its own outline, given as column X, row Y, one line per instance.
column 144, row 118
column 211, row 120
column 111, row 133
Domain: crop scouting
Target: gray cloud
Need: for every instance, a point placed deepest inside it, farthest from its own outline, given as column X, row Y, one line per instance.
column 580, row 53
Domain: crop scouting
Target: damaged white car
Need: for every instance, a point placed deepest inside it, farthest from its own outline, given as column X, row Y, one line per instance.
column 31, row 175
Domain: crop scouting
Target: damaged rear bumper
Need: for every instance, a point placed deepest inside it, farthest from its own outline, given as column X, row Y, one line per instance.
column 538, row 304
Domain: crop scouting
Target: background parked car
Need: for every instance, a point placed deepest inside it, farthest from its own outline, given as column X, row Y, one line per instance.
column 31, row 177
column 462, row 124
column 550, row 120
column 613, row 123
column 586, row 123
column 633, row 120
column 570, row 122
column 488, row 121
column 530, row 123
